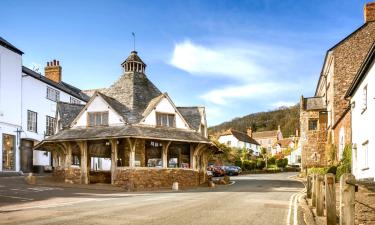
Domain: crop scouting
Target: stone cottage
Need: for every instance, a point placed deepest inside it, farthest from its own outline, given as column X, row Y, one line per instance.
column 328, row 112
column 149, row 141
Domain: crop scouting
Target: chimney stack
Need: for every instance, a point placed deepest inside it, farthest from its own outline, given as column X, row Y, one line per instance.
column 369, row 12
column 53, row 71
column 250, row 132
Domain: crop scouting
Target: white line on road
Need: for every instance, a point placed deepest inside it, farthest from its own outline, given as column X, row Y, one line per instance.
column 7, row 196
column 290, row 208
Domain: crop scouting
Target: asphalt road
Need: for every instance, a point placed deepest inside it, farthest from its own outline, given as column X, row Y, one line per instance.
column 251, row 199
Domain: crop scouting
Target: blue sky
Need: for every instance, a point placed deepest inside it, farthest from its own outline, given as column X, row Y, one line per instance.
column 234, row 57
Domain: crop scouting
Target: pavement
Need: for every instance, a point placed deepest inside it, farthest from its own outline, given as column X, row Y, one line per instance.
column 266, row 199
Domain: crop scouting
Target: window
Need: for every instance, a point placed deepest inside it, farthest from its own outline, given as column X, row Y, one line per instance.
column 313, row 124
column 97, row 119
column 364, row 93
column 229, row 143
column 165, row 120
column 53, row 94
column 75, row 160
column 74, row 100
column 365, row 155
column 153, row 154
column 32, row 121
column 50, row 125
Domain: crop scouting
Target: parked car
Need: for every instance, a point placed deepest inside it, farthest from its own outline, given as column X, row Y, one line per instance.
column 219, row 171
column 231, row 170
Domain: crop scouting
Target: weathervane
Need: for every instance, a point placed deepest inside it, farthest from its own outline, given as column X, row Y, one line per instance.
column 133, row 40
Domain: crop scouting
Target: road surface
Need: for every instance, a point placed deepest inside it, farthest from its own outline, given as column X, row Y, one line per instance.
column 265, row 199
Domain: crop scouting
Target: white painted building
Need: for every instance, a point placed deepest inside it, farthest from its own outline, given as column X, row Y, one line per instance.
column 10, row 107
column 28, row 105
column 237, row 139
column 362, row 98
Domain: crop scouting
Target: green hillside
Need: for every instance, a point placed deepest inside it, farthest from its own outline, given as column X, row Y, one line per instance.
column 286, row 117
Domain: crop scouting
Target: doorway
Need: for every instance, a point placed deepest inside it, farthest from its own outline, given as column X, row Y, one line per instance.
column 9, row 152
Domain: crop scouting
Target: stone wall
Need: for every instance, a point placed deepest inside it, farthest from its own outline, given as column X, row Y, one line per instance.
column 71, row 175
column 100, row 177
column 344, row 123
column 154, row 178
column 312, row 141
column 348, row 56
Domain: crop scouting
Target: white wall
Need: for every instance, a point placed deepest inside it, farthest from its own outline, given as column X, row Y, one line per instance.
column 99, row 105
column 235, row 143
column 10, row 98
column 34, row 98
column 362, row 128
column 164, row 106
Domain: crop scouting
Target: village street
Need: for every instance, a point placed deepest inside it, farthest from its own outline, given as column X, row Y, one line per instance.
column 251, row 199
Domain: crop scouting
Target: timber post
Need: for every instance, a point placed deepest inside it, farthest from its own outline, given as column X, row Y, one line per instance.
column 330, row 200
column 165, row 154
column 309, row 180
column 347, row 198
column 84, row 173
column 313, row 194
column 114, row 149
column 319, row 196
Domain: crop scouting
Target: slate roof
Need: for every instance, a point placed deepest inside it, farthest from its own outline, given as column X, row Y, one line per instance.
column 192, row 115
column 284, row 143
column 9, row 46
column 265, row 134
column 121, row 109
column 241, row 136
column 62, row 86
column 68, row 112
column 135, row 91
column 314, row 103
column 134, row 131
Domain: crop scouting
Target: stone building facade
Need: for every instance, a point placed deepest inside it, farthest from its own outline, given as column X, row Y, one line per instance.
column 148, row 141
column 341, row 64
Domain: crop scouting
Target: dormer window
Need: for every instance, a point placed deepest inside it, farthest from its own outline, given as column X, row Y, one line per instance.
column 97, row 119
column 165, row 120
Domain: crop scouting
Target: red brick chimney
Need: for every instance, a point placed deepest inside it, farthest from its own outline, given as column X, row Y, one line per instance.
column 250, row 132
column 53, row 71
column 369, row 12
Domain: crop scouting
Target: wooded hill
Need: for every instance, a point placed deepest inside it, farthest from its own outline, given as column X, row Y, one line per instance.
column 286, row 117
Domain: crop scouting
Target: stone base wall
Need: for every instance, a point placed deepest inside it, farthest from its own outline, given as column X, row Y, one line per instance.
column 154, row 178
column 100, row 177
column 71, row 175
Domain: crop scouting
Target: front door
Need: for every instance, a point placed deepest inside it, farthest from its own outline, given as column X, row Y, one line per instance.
column 9, row 152
column 27, row 156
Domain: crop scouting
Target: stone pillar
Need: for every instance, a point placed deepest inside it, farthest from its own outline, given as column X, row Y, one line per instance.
column 319, row 196
column 330, row 193
column 347, row 198
column 165, row 154
column 84, row 172
column 114, row 149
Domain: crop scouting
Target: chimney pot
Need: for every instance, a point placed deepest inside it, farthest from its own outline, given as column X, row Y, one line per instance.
column 53, row 71
column 369, row 12
column 250, row 132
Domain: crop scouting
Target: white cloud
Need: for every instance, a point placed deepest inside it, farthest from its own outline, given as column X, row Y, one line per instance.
column 283, row 103
column 238, row 63
column 224, row 95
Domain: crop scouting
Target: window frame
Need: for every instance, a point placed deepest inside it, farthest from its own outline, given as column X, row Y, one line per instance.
column 74, row 100
column 309, row 124
column 30, row 112
column 95, row 114
column 160, row 114
column 365, row 155
column 50, row 130
column 53, row 94
column 364, row 98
